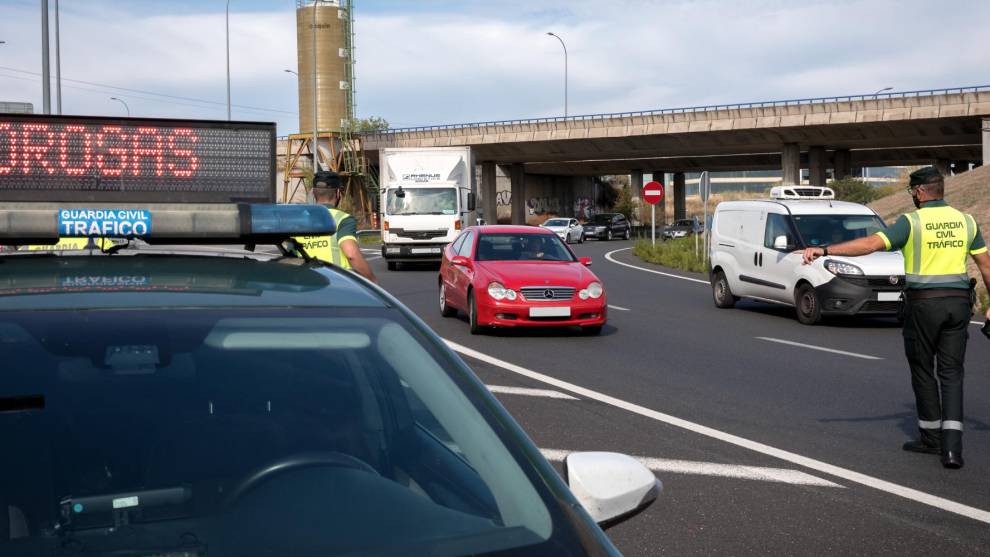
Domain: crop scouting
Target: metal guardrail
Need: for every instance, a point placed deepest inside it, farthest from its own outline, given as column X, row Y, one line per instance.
column 706, row 108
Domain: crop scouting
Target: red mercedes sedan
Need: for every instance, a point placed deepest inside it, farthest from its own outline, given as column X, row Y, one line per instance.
column 519, row 276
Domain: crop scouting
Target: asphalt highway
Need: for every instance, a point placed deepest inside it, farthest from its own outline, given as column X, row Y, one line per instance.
column 770, row 437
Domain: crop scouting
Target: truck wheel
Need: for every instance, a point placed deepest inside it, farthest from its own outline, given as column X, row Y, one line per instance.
column 393, row 265
column 809, row 311
column 721, row 291
column 445, row 309
column 473, row 315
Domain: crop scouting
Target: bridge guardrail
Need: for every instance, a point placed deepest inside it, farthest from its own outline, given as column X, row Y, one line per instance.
column 705, row 108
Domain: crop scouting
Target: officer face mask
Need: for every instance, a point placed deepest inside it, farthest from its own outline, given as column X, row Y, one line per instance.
column 914, row 197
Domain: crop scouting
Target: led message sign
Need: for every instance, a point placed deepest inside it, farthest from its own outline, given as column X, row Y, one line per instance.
column 69, row 158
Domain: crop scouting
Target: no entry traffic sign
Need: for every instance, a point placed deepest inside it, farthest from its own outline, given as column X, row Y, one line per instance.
column 653, row 193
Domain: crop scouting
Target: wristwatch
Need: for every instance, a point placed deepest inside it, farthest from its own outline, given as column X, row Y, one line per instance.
column 824, row 250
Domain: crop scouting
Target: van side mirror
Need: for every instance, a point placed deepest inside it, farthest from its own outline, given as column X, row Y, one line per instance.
column 780, row 243
column 470, row 201
column 612, row 487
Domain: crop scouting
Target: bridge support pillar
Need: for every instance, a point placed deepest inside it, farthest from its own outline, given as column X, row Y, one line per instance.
column 489, row 192
column 517, row 179
column 817, row 161
column 636, row 191
column 790, row 163
column 658, row 176
column 943, row 167
column 680, row 196
column 842, row 164
column 986, row 141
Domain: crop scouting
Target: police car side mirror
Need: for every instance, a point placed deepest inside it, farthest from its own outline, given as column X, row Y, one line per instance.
column 780, row 243
column 612, row 487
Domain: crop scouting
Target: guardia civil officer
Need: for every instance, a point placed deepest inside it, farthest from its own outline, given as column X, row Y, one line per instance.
column 340, row 248
column 935, row 241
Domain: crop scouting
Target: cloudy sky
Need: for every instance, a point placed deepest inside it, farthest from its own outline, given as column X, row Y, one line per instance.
column 445, row 61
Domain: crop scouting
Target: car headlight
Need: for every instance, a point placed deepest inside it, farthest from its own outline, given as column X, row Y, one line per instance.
column 593, row 291
column 499, row 292
column 840, row 268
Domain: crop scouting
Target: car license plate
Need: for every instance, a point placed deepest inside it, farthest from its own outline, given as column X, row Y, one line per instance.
column 888, row 296
column 425, row 250
column 550, row 312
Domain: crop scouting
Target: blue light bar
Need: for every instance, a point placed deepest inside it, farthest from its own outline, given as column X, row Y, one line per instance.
column 291, row 220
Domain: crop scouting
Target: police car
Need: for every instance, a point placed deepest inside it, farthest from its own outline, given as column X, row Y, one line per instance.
column 753, row 255
column 215, row 400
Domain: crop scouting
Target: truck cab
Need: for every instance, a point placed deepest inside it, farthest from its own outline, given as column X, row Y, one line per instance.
column 427, row 198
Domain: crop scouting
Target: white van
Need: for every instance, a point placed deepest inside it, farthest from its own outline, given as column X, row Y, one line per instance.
column 754, row 254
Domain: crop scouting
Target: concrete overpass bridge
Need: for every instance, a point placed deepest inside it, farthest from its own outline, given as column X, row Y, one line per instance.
column 946, row 127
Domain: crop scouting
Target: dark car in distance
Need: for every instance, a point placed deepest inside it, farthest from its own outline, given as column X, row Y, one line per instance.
column 682, row 228
column 608, row 226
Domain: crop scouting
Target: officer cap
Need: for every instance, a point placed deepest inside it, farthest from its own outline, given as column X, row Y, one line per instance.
column 326, row 180
column 923, row 176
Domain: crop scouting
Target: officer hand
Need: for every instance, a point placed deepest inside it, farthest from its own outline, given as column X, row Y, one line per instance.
column 988, row 315
column 812, row 254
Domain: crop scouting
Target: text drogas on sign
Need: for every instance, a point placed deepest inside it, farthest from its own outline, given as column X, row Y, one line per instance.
column 106, row 150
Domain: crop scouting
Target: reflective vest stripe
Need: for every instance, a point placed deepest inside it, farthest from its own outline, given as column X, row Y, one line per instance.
column 915, row 256
column 936, row 279
column 970, row 230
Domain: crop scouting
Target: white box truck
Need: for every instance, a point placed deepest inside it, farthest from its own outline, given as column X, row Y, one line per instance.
column 427, row 198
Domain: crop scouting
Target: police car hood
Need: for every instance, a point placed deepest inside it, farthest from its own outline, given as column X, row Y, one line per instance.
column 875, row 264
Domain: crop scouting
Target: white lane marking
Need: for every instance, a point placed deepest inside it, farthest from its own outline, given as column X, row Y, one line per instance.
column 368, row 250
column 613, row 260
column 819, row 348
column 546, row 393
column 794, row 458
column 618, row 308
column 977, row 323
column 759, row 473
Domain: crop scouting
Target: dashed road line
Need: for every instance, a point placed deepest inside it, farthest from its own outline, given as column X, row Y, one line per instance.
column 794, row 458
column 545, row 393
column 758, row 473
column 610, row 306
column 819, row 348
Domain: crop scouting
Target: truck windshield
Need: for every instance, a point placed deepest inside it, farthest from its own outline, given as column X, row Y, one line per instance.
column 823, row 230
column 422, row 201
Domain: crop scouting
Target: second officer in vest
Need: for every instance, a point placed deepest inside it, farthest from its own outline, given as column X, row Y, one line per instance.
column 936, row 241
column 341, row 248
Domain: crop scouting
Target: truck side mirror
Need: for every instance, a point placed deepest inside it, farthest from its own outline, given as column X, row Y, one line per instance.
column 470, row 201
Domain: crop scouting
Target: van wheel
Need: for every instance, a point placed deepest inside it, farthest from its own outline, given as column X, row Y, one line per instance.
column 445, row 309
column 809, row 310
column 721, row 291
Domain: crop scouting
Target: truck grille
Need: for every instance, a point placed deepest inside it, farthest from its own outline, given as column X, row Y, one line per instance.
column 418, row 234
column 547, row 293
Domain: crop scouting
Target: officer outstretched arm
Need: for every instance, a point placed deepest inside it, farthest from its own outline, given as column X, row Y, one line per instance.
column 852, row 248
column 983, row 263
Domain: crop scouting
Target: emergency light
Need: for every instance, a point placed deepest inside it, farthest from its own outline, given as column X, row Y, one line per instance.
column 165, row 223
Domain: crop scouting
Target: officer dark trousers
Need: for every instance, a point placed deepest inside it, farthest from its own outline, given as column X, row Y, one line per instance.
column 936, row 330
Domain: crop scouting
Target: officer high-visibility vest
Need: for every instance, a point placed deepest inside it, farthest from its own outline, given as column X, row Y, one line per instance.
column 936, row 250
column 326, row 248
column 71, row 244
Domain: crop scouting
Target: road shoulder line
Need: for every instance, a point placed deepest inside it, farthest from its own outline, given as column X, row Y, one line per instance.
column 794, row 458
column 671, row 275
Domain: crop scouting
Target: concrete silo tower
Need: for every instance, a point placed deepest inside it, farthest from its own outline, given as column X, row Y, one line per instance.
column 325, row 25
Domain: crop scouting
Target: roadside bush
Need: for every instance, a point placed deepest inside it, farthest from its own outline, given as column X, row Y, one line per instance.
column 624, row 204
column 854, row 190
column 676, row 254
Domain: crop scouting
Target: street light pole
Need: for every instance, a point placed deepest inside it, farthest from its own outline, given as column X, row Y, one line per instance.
column 46, row 73
column 882, row 90
column 316, row 104
column 227, row 22
column 293, row 72
column 565, row 68
column 58, row 65
column 121, row 101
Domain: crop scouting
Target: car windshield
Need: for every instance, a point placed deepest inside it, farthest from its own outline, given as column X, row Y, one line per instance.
column 422, row 201
column 556, row 222
column 250, row 432
column 522, row 247
column 823, row 230
column 601, row 219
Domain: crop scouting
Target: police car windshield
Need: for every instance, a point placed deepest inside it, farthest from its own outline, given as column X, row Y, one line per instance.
column 248, row 432
column 522, row 247
column 422, row 201
column 824, row 230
